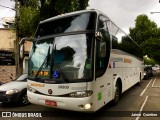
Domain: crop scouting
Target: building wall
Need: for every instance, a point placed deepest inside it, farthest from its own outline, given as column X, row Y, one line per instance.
column 7, row 38
column 7, row 73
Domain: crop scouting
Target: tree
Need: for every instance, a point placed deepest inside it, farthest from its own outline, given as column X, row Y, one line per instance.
column 28, row 17
column 148, row 61
column 33, row 11
column 144, row 29
column 50, row 8
column 147, row 35
column 28, row 21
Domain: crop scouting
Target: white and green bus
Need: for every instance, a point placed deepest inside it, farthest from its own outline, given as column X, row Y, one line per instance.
column 81, row 61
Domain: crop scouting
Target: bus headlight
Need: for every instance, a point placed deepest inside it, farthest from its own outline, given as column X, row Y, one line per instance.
column 87, row 106
column 31, row 89
column 80, row 94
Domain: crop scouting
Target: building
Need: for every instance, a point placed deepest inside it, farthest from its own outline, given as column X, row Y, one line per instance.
column 7, row 55
column 8, row 22
column 7, row 59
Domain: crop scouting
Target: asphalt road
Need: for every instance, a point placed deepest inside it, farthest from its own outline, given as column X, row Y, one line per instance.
column 138, row 103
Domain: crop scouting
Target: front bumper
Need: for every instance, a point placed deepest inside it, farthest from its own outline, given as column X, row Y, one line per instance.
column 4, row 98
column 73, row 104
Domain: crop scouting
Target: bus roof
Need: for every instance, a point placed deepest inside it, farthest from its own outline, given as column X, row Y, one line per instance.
column 84, row 11
column 69, row 14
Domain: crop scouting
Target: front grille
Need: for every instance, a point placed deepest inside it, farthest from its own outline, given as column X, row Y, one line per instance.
column 2, row 92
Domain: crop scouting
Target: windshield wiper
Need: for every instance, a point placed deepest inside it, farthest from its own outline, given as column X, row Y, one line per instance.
column 45, row 61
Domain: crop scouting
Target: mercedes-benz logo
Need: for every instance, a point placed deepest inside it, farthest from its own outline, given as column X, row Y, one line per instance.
column 50, row 91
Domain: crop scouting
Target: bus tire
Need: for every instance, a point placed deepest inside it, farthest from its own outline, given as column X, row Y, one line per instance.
column 140, row 79
column 117, row 94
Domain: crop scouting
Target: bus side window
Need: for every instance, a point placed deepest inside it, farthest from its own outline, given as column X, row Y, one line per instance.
column 102, row 53
column 102, row 46
column 102, row 49
column 100, row 63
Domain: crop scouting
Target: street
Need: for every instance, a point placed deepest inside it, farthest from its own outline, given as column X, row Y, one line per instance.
column 79, row 55
column 138, row 103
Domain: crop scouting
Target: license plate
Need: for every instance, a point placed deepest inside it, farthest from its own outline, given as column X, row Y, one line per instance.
column 50, row 103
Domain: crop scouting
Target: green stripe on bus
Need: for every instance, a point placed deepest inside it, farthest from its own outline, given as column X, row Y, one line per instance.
column 99, row 96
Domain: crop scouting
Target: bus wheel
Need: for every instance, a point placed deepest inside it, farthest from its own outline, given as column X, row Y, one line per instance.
column 117, row 94
column 140, row 80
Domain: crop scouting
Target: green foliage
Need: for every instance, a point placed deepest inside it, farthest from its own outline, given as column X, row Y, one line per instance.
column 144, row 29
column 32, row 11
column 27, row 3
column 70, row 5
column 28, row 20
column 149, row 61
column 147, row 35
column 67, row 6
column 50, row 8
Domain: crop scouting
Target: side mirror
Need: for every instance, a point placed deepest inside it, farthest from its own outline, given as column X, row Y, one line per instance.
column 25, row 39
column 99, row 36
column 21, row 43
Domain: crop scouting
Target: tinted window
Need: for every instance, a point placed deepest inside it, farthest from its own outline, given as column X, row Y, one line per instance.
column 72, row 57
column 79, row 22
column 102, row 47
column 123, row 42
column 40, row 57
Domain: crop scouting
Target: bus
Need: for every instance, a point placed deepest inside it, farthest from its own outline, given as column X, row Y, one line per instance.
column 80, row 61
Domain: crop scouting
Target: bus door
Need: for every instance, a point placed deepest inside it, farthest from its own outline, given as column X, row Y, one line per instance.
column 102, row 72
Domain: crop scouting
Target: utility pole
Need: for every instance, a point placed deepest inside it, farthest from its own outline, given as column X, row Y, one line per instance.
column 19, row 66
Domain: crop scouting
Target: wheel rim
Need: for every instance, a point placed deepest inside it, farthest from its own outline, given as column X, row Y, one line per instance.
column 25, row 99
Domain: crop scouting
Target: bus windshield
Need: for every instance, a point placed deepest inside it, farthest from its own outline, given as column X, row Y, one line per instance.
column 40, row 57
column 62, row 59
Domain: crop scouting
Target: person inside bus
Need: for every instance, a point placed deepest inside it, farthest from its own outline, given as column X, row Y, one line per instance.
column 59, row 57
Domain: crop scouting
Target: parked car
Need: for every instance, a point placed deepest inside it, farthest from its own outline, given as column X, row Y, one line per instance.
column 148, row 72
column 155, row 68
column 15, row 91
column 1, row 83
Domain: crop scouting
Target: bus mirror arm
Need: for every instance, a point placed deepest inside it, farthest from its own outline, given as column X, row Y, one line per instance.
column 25, row 39
column 99, row 36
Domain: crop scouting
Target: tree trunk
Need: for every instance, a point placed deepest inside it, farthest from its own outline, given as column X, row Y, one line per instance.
column 19, row 62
